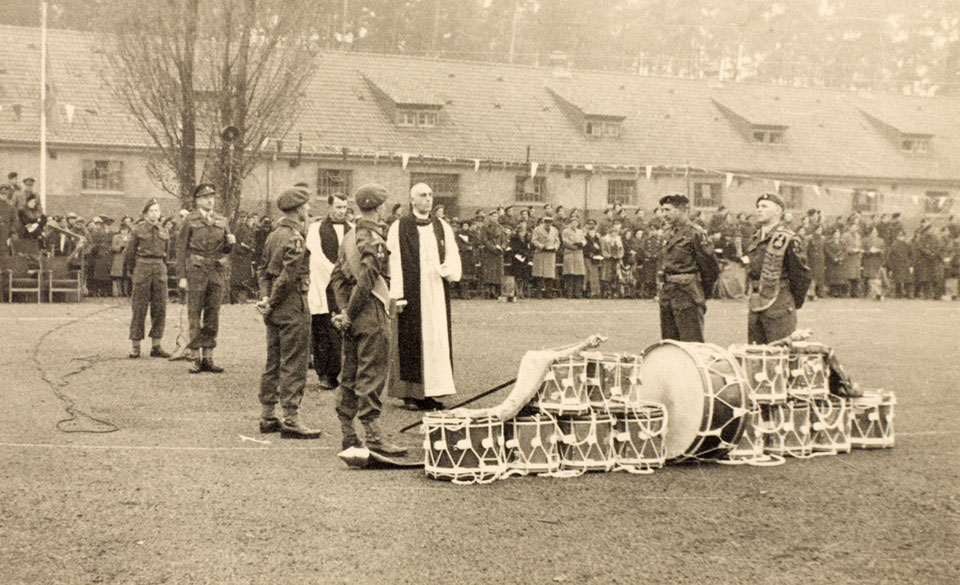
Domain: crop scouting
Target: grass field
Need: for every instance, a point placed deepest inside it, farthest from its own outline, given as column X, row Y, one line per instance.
column 178, row 495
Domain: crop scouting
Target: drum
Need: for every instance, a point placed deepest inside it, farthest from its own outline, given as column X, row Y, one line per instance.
column 830, row 428
column 613, row 381
column 586, row 442
column 463, row 450
column 765, row 367
column 807, row 370
column 786, row 429
column 750, row 446
column 531, row 444
column 871, row 419
column 638, row 438
column 704, row 391
column 564, row 389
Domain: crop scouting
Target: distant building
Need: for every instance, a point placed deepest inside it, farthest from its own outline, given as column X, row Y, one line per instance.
column 487, row 134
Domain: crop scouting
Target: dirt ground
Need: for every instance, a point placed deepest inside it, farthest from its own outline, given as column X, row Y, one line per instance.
column 180, row 494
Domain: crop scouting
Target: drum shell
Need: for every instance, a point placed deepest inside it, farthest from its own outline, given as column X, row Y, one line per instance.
column 532, row 444
column 786, row 429
column 462, row 449
column 564, row 389
column 613, row 381
column 638, row 437
column 830, row 425
column 765, row 368
column 871, row 420
column 808, row 376
column 586, row 442
column 750, row 445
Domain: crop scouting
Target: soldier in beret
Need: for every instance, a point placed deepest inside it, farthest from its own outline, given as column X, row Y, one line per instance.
column 284, row 279
column 359, row 281
column 688, row 272
column 778, row 274
column 146, row 258
column 204, row 243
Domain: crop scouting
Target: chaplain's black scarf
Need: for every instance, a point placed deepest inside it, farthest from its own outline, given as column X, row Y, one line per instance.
column 409, row 331
column 330, row 246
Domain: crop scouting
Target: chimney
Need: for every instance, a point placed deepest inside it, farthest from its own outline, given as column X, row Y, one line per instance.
column 559, row 64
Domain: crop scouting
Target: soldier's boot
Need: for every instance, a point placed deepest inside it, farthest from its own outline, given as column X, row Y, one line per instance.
column 269, row 423
column 377, row 442
column 292, row 428
column 350, row 438
column 135, row 350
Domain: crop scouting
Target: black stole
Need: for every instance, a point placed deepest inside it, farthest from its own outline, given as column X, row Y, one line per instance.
column 409, row 331
column 330, row 246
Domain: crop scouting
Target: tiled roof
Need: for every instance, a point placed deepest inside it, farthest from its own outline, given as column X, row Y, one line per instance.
column 495, row 112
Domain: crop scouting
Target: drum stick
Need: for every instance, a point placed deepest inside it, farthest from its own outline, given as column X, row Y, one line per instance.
column 467, row 401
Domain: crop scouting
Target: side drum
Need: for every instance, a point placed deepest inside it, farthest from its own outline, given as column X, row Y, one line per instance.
column 463, row 450
column 871, row 420
column 808, row 376
column 564, row 389
column 765, row 367
column 586, row 442
column 532, row 444
column 638, row 438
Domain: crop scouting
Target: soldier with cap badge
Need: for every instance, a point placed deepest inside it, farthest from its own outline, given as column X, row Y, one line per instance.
column 284, row 278
column 202, row 255
column 687, row 274
column 146, row 257
column 359, row 281
column 778, row 274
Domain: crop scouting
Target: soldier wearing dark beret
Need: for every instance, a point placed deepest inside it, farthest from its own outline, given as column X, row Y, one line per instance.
column 688, row 272
column 359, row 282
column 284, row 278
column 146, row 258
column 778, row 274
column 202, row 255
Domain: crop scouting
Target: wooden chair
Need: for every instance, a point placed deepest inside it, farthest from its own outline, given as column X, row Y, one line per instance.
column 63, row 278
column 24, row 276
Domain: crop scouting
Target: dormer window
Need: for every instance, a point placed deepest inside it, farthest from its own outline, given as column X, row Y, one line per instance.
column 918, row 145
column 768, row 136
column 411, row 117
column 601, row 128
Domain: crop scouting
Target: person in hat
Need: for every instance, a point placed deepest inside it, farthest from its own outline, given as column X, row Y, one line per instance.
column 145, row 263
column 32, row 220
column 202, row 248
column 688, row 272
column 424, row 261
column 545, row 241
column 284, row 280
column 28, row 186
column 592, row 259
column 9, row 219
column 492, row 243
column 778, row 274
column 16, row 192
column 359, row 283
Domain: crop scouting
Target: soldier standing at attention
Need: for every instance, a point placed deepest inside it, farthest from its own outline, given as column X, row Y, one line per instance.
column 688, row 272
column 284, row 278
column 147, row 254
column 204, row 243
column 778, row 274
column 359, row 281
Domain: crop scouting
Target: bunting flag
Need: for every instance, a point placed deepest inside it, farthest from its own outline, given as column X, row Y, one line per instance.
column 649, row 171
column 588, row 167
column 69, row 109
column 776, row 186
column 476, row 165
column 404, row 159
column 816, row 190
column 729, row 179
column 533, row 169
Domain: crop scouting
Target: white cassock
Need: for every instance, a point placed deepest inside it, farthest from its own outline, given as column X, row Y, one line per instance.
column 437, row 369
column 320, row 268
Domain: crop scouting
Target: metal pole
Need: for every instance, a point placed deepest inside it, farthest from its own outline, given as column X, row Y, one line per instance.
column 43, row 105
column 513, row 30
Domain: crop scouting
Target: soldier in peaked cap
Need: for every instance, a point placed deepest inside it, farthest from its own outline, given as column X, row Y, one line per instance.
column 778, row 274
column 688, row 272
column 284, row 278
column 202, row 255
column 359, row 282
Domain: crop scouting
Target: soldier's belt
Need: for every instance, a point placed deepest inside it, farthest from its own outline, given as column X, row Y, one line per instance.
column 682, row 278
column 199, row 260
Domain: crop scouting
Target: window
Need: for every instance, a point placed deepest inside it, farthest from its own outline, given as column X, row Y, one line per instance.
column 622, row 191
column 792, row 196
column 918, row 145
column 935, row 202
column 611, row 129
column 594, row 128
column 600, row 128
column 446, row 190
column 416, row 118
column 102, row 175
column 531, row 190
column 334, row 181
column 768, row 136
column 707, row 195
column 865, row 201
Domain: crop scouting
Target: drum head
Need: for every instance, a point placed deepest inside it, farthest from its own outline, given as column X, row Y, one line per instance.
column 671, row 376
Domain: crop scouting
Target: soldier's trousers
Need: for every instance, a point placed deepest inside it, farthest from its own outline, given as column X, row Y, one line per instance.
column 326, row 346
column 204, row 296
column 288, row 347
column 149, row 292
column 681, row 324
column 774, row 323
column 366, row 363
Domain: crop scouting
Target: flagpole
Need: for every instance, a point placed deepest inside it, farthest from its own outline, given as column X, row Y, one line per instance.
column 43, row 105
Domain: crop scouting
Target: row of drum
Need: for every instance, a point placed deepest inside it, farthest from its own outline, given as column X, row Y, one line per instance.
column 465, row 450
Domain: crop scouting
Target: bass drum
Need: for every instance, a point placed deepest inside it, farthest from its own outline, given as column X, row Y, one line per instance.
column 704, row 391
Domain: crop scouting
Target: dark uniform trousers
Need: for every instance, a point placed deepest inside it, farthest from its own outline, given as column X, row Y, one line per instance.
column 205, row 286
column 326, row 346
column 288, row 344
column 775, row 323
column 682, row 307
column 366, row 358
column 149, row 292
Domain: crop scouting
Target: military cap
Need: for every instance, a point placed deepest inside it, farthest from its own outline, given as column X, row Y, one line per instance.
column 292, row 198
column 547, row 217
column 153, row 201
column 12, row 175
column 29, row 181
column 370, row 196
column 96, row 219
column 71, row 215
column 591, row 222
column 772, row 198
column 6, row 187
column 204, row 189
column 675, row 199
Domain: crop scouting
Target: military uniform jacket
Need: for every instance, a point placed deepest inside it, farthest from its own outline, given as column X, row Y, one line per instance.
column 362, row 269
column 686, row 259
column 776, row 259
column 202, row 238
column 147, row 240
column 285, row 268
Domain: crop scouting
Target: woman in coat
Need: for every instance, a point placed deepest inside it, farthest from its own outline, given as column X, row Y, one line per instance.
column 853, row 255
column 873, row 264
column 834, row 254
column 900, row 266
column 519, row 246
column 592, row 257
column 545, row 241
column 32, row 221
column 573, row 266
column 117, row 245
column 492, row 243
column 816, row 256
